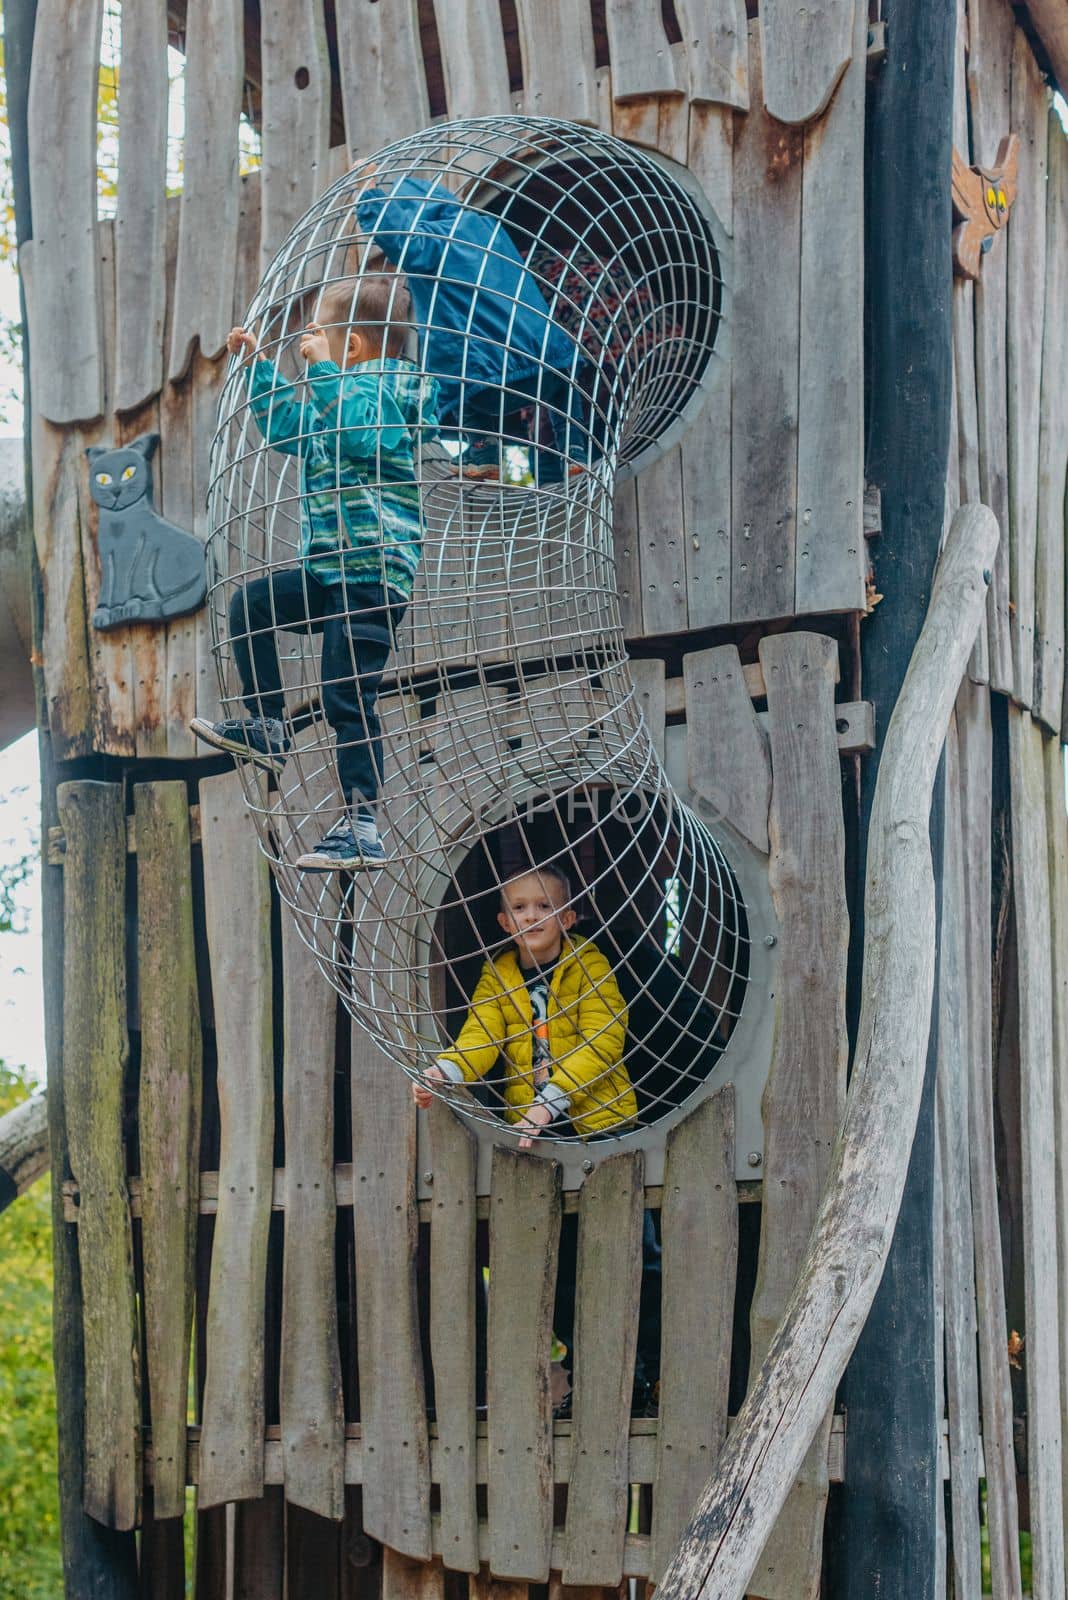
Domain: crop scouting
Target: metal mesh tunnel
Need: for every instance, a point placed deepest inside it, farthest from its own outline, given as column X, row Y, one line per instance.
column 562, row 300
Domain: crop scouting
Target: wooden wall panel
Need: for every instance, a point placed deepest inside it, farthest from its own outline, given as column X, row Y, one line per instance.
column 806, row 49
column 1057, row 842
column 383, row 83
column 1031, row 894
column 141, row 217
column 662, row 541
column 95, row 1052
column 1053, row 445
column 766, row 345
column 237, row 911
column 207, row 241
column 396, row 1490
column 168, row 1121
column 559, row 69
column 473, row 58
column 312, row 1414
column 805, row 1091
column 1026, row 268
column 524, row 1239
column 296, row 115
column 61, row 129
column 721, row 717
column 175, row 466
column 717, row 52
column 642, row 62
column 699, row 1233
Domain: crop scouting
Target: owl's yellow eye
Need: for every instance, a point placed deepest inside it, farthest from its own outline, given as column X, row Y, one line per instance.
column 991, row 197
column 1002, row 202
column 103, row 477
column 128, row 474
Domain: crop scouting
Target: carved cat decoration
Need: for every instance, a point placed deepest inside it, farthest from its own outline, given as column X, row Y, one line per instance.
column 150, row 570
column 982, row 200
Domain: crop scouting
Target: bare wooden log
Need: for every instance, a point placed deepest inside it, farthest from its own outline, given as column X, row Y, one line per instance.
column 855, row 1224
column 23, row 1148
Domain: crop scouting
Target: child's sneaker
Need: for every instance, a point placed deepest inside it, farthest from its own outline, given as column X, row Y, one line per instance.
column 258, row 739
column 352, row 845
column 482, row 459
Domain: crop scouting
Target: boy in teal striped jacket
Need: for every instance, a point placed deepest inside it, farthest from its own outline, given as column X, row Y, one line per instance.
column 358, row 427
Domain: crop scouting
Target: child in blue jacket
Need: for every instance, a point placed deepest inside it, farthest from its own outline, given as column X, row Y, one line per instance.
column 487, row 333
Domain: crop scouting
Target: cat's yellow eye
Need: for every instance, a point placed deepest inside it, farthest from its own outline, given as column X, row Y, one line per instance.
column 991, row 197
column 1001, row 199
column 103, row 477
column 128, row 474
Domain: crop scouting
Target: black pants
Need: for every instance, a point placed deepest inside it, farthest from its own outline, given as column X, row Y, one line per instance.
column 647, row 1361
column 357, row 623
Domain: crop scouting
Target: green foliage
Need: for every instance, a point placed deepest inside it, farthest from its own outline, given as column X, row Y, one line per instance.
column 30, row 1565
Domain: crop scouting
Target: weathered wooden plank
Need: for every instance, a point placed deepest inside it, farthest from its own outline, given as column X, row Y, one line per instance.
column 1026, row 268
column 296, row 115
column 651, row 691
column 405, row 1579
column 1052, row 445
column 805, row 1091
column 175, row 466
column 206, row 380
column 1051, row 25
column 524, row 1240
column 1037, row 1124
column 383, row 83
column 719, row 707
column 313, row 1422
column 831, row 558
column 662, row 546
column 168, row 1120
column 958, row 1268
column 609, row 1275
column 161, row 1564
column 23, row 1147
column 207, row 239
column 473, row 59
column 237, row 912
column 989, row 57
column 764, row 370
column 259, row 1567
column 453, row 1287
column 484, row 1586
column 396, row 1491
column 806, row 49
column 976, row 760
column 939, row 1321
column 717, row 55
column 642, row 62
column 559, row 69
column 61, row 129
column 1057, row 841
column 141, row 214
column 313, row 1556
column 627, row 558
column 699, row 1234
column 95, row 1050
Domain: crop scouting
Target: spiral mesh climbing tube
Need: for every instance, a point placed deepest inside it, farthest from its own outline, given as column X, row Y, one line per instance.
column 506, row 314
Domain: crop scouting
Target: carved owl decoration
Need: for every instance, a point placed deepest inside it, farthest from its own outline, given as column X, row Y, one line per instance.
column 982, row 199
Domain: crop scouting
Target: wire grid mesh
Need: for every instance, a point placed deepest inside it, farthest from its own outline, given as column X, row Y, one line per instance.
column 565, row 294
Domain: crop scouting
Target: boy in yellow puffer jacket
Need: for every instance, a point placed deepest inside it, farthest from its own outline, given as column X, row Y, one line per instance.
column 553, row 1009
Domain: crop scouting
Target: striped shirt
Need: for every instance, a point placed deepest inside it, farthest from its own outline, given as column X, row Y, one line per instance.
column 356, row 434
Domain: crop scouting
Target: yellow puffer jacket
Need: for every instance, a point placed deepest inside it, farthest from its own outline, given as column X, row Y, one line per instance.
column 587, row 1034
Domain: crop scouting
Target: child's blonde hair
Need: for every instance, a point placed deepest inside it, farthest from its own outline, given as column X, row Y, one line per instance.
column 378, row 304
column 555, row 874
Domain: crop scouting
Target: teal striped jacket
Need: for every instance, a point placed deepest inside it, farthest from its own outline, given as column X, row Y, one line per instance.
column 356, row 434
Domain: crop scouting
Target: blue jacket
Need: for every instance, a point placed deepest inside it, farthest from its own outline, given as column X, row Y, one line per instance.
column 481, row 314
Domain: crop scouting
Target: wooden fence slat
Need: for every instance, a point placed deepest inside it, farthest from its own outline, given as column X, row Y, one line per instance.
column 141, row 213
column 717, row 53
column 473, row 58
column 175, row 458
column 61, row 130
column 312, row 1414
column 806, row 49
column 766, row 352
column 95, row 1050
column 559, row 66
column 805, row 1091
column 484, row 1586
column 650, row 688
column 628, row 558
column 168, row 1121
column 383, row 82
column 396, row 1491
column 1057, row 840
column 662, row 544
column 58, row 464
column 1026, row 268
column 405, row 1579
column 976, row 759
column 296, row 115
column 939, row 1321
column 1052, row 445
column 524, row 1241
column 453, row 1287
column 958, row 1278
column 161, row 1557
column 831, row 557
column 721, row 710
column 1037, row 1122
column 642, row 62
column 313, row 1555
column 238, row 916
column 207, row 238
column 259, row 1548
column 609, row 1276
column 990, row 28
column 699, row 1234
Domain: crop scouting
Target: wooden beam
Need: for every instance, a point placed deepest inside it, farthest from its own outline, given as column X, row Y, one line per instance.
column 808, row 1353
column 1050, row 18
column 23, row 1148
